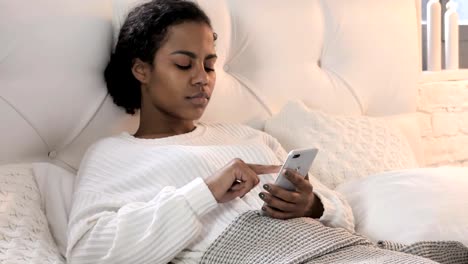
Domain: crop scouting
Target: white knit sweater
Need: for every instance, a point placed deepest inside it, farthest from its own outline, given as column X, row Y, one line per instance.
column 145, row 201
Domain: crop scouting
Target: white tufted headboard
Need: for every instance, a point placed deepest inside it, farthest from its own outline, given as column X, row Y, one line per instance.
column 343, row 56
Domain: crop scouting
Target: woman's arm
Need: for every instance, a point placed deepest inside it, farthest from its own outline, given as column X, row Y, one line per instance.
column 103, row 231
column 337, row 212
column 123, row 211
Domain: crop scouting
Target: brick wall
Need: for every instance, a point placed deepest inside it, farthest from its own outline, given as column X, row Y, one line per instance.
column 443, row 110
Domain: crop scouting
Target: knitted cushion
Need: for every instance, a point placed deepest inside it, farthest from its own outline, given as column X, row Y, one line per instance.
column 24, row 232
column 350, row 147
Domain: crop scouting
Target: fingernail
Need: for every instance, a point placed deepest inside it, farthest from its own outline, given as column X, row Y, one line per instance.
column 263, row 208
column 262, row 195
column 266, row 187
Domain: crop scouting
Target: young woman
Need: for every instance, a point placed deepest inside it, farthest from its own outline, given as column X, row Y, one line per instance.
column 168, row 191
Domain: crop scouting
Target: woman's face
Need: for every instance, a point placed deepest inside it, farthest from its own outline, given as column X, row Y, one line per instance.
column 182, row 78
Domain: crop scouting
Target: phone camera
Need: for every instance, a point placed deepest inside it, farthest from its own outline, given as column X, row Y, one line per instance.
column 296, row 156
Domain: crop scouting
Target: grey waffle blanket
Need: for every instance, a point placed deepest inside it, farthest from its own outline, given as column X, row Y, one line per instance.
column 253, row 238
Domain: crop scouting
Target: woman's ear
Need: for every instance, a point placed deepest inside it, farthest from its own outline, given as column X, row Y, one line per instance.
column 142, row 71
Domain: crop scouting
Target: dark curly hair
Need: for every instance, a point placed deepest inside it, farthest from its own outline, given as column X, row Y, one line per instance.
column 141, row 36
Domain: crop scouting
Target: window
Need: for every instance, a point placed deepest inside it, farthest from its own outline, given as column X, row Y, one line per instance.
column 462, row 11
column 463, row 30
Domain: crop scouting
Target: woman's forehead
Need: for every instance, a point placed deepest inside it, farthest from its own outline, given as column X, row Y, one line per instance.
column 191, row 36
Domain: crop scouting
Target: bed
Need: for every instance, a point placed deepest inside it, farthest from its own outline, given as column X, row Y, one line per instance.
column 339, row 75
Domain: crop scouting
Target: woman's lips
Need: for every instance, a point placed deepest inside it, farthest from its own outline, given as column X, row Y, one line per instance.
column 199, row 99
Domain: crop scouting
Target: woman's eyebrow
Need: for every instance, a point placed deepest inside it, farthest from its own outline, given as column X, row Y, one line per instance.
column 211, row 56
column 193, row 55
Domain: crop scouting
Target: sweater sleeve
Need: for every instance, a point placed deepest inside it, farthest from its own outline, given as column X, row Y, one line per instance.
column 337, row 212
column 105, row 228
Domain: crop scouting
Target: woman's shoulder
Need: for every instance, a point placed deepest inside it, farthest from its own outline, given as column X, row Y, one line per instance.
column 108, row 146
column 110, row 141
column 232, row 128
column 241, row 131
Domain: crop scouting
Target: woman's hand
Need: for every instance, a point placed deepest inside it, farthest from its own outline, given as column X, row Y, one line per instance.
column 236, row 179
column 284, row 204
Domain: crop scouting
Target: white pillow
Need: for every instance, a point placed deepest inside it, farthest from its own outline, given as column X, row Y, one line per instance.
column 411, row 205
column 120, row 10
column 56, row 187
column 24, row 232
column 409, row 125
column 350, row 147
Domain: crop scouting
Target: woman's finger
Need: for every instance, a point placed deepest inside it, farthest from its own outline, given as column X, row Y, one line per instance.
column 277, row 203
column 274, row 213
column 238, row 185
column 302, row 184
column 283, row 194
column 264, row 169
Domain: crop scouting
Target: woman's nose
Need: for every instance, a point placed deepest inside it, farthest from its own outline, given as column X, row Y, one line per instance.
column 200, row 76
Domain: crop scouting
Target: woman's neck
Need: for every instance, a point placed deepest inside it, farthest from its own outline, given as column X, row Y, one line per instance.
column 163, row 128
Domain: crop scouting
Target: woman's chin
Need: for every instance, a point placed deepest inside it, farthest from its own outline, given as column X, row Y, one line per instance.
column 194, row 115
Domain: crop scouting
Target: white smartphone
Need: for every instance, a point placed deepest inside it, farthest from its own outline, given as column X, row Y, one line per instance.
column 299, row 160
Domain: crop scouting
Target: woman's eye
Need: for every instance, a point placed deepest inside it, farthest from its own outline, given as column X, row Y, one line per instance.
column 208, row 69
column 182, row 67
